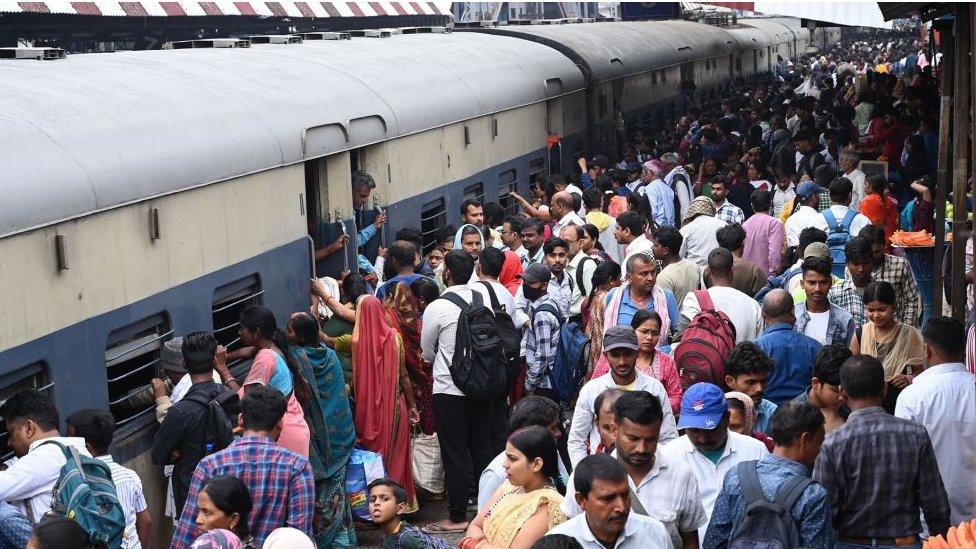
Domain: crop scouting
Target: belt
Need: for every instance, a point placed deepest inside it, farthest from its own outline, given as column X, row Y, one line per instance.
column 898, row 541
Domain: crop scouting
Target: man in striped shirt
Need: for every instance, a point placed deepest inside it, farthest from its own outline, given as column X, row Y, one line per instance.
column 97, row 427
column 542, row 337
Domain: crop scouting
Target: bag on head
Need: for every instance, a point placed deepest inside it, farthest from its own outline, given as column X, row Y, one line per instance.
column 86, row 494
column 767, row 524
column 478, row 366
column 705, row 344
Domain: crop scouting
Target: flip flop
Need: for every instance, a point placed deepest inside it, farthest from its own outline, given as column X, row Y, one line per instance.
column 436, row 528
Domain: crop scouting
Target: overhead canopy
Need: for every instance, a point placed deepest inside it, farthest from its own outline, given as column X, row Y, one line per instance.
column 177, row 8
column 854, row 14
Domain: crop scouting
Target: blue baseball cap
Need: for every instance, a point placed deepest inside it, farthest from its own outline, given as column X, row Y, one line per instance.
column 702, row 407
column 807, row 189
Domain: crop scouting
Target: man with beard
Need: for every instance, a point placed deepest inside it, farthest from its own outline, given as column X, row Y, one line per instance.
column 665, row 488
column 708, row 447
column 817, row 317
column 620, row 348
column 604, row 494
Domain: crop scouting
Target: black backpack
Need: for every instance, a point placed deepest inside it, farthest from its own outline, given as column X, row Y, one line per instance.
column 767, row 524
column 216, row 424
column 510, row 336
column 477, row 367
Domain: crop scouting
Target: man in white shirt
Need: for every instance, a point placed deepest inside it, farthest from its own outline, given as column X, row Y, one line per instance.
column 579, row 269
column 943, row 400
column 603, row 492
column 698, row 231
column 679, row 181
column 462, row 422
column 561, row 208
column 561, row 285
column 808, row 196
column 659, row 194
column 666, row 488
column 630, row 233
column 32, row 423
column 708, row 447
column 725, row 210
column 744, row 312
column 97, row 428
column 620, row 348
column 848, row 165
column 511, row 237
column 841, row 210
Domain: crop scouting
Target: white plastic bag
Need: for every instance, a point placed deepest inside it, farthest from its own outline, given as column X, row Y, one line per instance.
column 428, row 469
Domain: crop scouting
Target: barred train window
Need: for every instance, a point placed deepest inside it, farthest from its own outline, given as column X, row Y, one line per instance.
column 508, row 182
column 228, row 302
column 132, row 356
column 475, row 191
column 433, row 217
column 536, row 168
column 33, row 376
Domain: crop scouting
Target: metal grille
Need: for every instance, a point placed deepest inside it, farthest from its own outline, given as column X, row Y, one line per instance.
column 132, row 357
column 228, row 302
column 536, row 169
column 33, row 376
column 433, row 217
column 508, row 182
column 475, row 191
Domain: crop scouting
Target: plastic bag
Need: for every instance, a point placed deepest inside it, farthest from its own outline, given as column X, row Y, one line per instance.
column 364, row 467
column 428, row 470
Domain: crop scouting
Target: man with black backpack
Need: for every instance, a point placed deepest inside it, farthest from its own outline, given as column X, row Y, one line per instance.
column 468, row 378
column 778, row 482
column 193, row 428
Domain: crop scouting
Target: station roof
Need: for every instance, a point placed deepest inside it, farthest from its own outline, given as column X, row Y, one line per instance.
column 96, row 131
column 190, row 8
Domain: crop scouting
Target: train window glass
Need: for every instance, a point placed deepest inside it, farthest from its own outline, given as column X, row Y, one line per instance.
column 228, row 302
column 433, row 217
column 33, row 376
column 131, row 360
column 508, row 182
column 475, row 191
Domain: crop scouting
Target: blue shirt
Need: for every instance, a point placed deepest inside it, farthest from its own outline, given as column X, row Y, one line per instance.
column 810, row 513
column 764, row 414
column 628, row 309
column 406, row 279
column 793, row 354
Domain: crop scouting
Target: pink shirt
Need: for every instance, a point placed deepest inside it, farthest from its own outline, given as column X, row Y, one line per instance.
column 764, row 241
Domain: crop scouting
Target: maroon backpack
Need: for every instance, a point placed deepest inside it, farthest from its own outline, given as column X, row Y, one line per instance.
column 705, row 344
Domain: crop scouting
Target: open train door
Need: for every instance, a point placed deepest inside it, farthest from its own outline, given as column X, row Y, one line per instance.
column 688, row 87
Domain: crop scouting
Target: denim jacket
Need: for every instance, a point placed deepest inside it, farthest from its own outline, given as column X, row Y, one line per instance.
column 840, row 323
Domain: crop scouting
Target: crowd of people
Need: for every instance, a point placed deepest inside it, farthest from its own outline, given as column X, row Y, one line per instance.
column 708, row 341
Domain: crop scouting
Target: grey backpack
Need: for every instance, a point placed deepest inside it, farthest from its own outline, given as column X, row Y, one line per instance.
column 767, row 524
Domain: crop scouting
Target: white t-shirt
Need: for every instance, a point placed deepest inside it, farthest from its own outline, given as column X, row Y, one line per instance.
column 817, row 326
column 744, row 312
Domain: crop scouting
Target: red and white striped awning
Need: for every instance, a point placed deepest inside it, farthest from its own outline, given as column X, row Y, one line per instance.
column 178, row 8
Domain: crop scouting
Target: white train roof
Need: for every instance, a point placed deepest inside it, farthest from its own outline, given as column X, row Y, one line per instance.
column 97, row 131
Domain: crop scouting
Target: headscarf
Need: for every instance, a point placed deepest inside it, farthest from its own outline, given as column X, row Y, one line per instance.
column 218, row 539
column 511, row 275
column 701, row 205
column 376, row 365
column 288, row 538
column 749, row 408
column 404, row 315
column 457, row 236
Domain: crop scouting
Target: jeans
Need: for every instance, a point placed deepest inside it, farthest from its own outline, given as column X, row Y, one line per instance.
column 842, row 545
column 15, row 529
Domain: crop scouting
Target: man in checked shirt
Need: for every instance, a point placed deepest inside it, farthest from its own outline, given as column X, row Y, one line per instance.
column 542, row 337
column 879, row 470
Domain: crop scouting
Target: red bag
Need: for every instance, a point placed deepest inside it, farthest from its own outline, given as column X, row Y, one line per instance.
column 705, row 344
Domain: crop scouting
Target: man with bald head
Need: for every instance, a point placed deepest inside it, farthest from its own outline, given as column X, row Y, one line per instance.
column 562, row 209
column 658, row 193
column 792, row 352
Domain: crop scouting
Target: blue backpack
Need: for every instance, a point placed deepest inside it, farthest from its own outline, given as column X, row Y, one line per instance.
column 572, row 356
column 86, row 494
column 837, row 236
column 777, row 282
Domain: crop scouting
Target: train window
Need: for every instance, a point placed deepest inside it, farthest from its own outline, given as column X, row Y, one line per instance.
column 653, row 77
column 602, row 103
column 228, row 302
column 664, row 76
column 33, row 376
column 475, row 191
column 131, row 357
column 433, row 217
column 508, row 182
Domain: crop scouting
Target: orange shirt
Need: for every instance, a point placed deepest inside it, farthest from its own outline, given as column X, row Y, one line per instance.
column 882, row 212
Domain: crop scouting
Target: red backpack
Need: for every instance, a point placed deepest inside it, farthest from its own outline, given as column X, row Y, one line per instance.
column 705, row 344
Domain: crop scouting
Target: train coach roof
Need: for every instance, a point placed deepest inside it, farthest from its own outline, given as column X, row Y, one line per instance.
column 94, row 132
column 755, row 33
column 616, row 49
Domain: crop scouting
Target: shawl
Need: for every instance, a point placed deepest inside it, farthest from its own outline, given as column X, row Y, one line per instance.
column 660, row 306
column 457, row 236
column 511, row 511
column 376, row 364
column 404, row 315
column 904, row 350
column 511, row 275
column 749, row 406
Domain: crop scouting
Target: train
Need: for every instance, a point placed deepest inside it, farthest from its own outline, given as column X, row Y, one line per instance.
column 149, row 194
